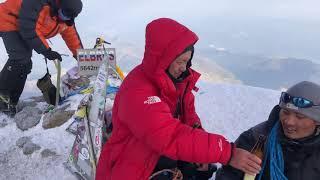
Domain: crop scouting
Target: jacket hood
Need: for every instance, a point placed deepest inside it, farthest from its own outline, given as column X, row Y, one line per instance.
column 165, row 40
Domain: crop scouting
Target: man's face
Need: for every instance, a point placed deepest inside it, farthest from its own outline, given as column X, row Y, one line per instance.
column 179, row 65
column 295, row 125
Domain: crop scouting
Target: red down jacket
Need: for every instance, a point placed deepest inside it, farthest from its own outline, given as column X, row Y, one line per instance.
column 143, row 124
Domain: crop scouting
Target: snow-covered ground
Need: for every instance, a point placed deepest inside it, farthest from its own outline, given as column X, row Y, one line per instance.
column 223, row 108
column 15, row 165
column 230, row 109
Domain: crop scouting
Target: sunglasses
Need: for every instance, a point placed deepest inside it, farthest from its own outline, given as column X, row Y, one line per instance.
column 62, row 16
column 297, row 101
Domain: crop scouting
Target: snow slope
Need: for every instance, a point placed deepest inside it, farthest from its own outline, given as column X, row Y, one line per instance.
column 230, row 109
column 223, row 108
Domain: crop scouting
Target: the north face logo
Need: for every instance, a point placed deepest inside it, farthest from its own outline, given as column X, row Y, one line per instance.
column 152, row 100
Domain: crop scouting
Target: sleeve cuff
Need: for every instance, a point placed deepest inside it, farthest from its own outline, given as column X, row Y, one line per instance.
column 233, row 146
column 226, row 158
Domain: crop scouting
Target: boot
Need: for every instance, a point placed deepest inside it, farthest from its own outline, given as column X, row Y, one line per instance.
column 12, row 80
column 6, row 107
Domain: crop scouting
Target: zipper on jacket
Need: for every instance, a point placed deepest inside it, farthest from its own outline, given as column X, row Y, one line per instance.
column 182, row 99
column 180, row 104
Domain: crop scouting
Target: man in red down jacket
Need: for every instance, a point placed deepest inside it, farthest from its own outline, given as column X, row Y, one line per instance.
column 154, row 116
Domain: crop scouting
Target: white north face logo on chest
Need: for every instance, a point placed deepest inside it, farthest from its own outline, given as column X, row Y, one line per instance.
column 152, row 100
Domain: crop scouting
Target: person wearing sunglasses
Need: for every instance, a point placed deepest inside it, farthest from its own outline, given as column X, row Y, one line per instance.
column 25, row 26
column 291, row 149
column 157, row 133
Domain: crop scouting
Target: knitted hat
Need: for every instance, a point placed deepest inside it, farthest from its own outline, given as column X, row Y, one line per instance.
column 71, row 8
column 309, row 91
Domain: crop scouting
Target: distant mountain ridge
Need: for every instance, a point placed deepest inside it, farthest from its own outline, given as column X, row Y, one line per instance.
column 259, row 71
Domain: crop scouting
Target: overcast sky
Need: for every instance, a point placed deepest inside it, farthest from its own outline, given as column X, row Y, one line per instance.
column 275, row 8
column 240, row 25
column 298, row 9
column 125, row 13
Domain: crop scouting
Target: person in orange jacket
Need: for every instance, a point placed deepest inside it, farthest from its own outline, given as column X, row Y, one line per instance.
column 25, row 26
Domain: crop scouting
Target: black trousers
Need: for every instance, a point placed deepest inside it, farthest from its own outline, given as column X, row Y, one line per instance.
column 14, row 74
column 188, row 170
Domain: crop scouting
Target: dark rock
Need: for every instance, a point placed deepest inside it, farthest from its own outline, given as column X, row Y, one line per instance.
column 57, row 117
column 28, row 118
column 3, row 158
column 22, row 141
column 30, row 147
column 47, row 152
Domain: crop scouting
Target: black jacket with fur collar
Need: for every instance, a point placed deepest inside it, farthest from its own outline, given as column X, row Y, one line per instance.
column 301, row 157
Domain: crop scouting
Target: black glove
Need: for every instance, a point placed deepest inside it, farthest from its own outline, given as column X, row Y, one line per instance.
column 52, row 55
